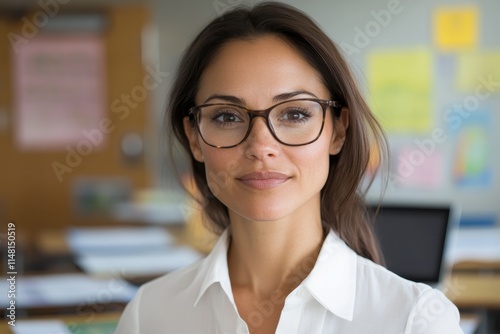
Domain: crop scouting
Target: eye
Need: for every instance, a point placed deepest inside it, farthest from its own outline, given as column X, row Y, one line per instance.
column 226, row 117
column 295, row 115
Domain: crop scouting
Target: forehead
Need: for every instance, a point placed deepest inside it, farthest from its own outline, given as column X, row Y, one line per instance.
column 257, row 70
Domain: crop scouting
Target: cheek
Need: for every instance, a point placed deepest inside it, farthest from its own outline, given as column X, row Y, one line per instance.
column 220, row 168
column 314, row 161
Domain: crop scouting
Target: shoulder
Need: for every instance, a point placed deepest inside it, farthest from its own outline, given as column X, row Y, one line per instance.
column 186, row 283
column 164, row 295
column 175, row 294
column 171, row 294
column 382, row 281
column 172, row 284
column 420, row 308
column 433, row 314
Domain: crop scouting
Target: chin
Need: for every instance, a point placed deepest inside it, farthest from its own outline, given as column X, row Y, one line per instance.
column 263, row 214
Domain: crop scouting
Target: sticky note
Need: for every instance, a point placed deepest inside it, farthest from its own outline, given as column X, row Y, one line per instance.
column 478, row 72
column 400, row 83
column 456, row 28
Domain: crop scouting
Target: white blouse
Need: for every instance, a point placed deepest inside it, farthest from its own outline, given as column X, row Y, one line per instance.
column 344, row 293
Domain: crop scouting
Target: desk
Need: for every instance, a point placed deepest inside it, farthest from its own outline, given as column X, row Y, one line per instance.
column 483, row 266
column 480, row 292
column 473, row 285
column 474, row 290
column 475, row 255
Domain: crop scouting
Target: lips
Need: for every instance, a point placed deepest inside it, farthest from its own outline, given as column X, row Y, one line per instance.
column 263, row 180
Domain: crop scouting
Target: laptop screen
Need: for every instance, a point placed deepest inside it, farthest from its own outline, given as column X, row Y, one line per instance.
column 412, row 240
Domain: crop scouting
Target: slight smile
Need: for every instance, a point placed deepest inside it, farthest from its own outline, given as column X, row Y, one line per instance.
column 263, row 180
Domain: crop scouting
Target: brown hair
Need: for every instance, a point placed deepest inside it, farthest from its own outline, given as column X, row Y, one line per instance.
column 342, row 204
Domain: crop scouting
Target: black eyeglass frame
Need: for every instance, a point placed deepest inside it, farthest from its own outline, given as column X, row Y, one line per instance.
column 194, row 112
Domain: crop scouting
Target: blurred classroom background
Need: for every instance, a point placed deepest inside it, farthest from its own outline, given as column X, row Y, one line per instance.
column 94, row 207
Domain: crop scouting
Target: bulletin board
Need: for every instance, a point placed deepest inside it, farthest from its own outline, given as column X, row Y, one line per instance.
column 38, row 180
column 439, row 101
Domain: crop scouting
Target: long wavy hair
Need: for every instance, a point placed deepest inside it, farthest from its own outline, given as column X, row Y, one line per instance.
column 342, row 202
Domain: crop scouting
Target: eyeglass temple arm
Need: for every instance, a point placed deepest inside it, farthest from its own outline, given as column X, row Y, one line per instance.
column 191, row 117
column 336, row 107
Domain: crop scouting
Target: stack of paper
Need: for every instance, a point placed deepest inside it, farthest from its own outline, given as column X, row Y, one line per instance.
column 40, row 327
column 144, row 263
column 58, row 327
column 129, row 252
column 476, row 244
column 67, row 290
column 117, row 240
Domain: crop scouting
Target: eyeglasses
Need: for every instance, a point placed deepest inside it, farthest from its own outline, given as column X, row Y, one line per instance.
column 294, row 122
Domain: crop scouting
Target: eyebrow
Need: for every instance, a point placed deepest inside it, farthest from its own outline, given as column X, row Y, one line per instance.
column 277, row 98
column 289, row 95
column 227, row 98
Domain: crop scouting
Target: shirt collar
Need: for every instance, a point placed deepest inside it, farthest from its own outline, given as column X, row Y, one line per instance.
column 215, row 268
column 332, row 281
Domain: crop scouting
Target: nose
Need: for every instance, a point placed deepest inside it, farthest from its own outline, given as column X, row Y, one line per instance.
column 260, row 143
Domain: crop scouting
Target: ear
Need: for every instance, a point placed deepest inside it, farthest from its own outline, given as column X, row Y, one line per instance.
column 193, row 138
column 341, row 124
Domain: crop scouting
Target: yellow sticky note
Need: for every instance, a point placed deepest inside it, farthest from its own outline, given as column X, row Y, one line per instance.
column 456, row 28
column 477, row 69
column 400, row 84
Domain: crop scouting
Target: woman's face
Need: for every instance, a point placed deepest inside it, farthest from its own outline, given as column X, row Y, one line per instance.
column 262, row 179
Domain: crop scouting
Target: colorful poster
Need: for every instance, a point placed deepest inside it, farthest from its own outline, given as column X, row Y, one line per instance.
column 456, row 28
column 400, row 84
column 59, row 90
column 472, row 167
column 478, row 72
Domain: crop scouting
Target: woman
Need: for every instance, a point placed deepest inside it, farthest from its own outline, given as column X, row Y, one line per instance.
column 279, row 135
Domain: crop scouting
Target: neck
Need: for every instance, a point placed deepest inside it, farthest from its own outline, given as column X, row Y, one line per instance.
column 269, row 256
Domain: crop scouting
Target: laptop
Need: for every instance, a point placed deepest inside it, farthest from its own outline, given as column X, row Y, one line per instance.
column 415, row 240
